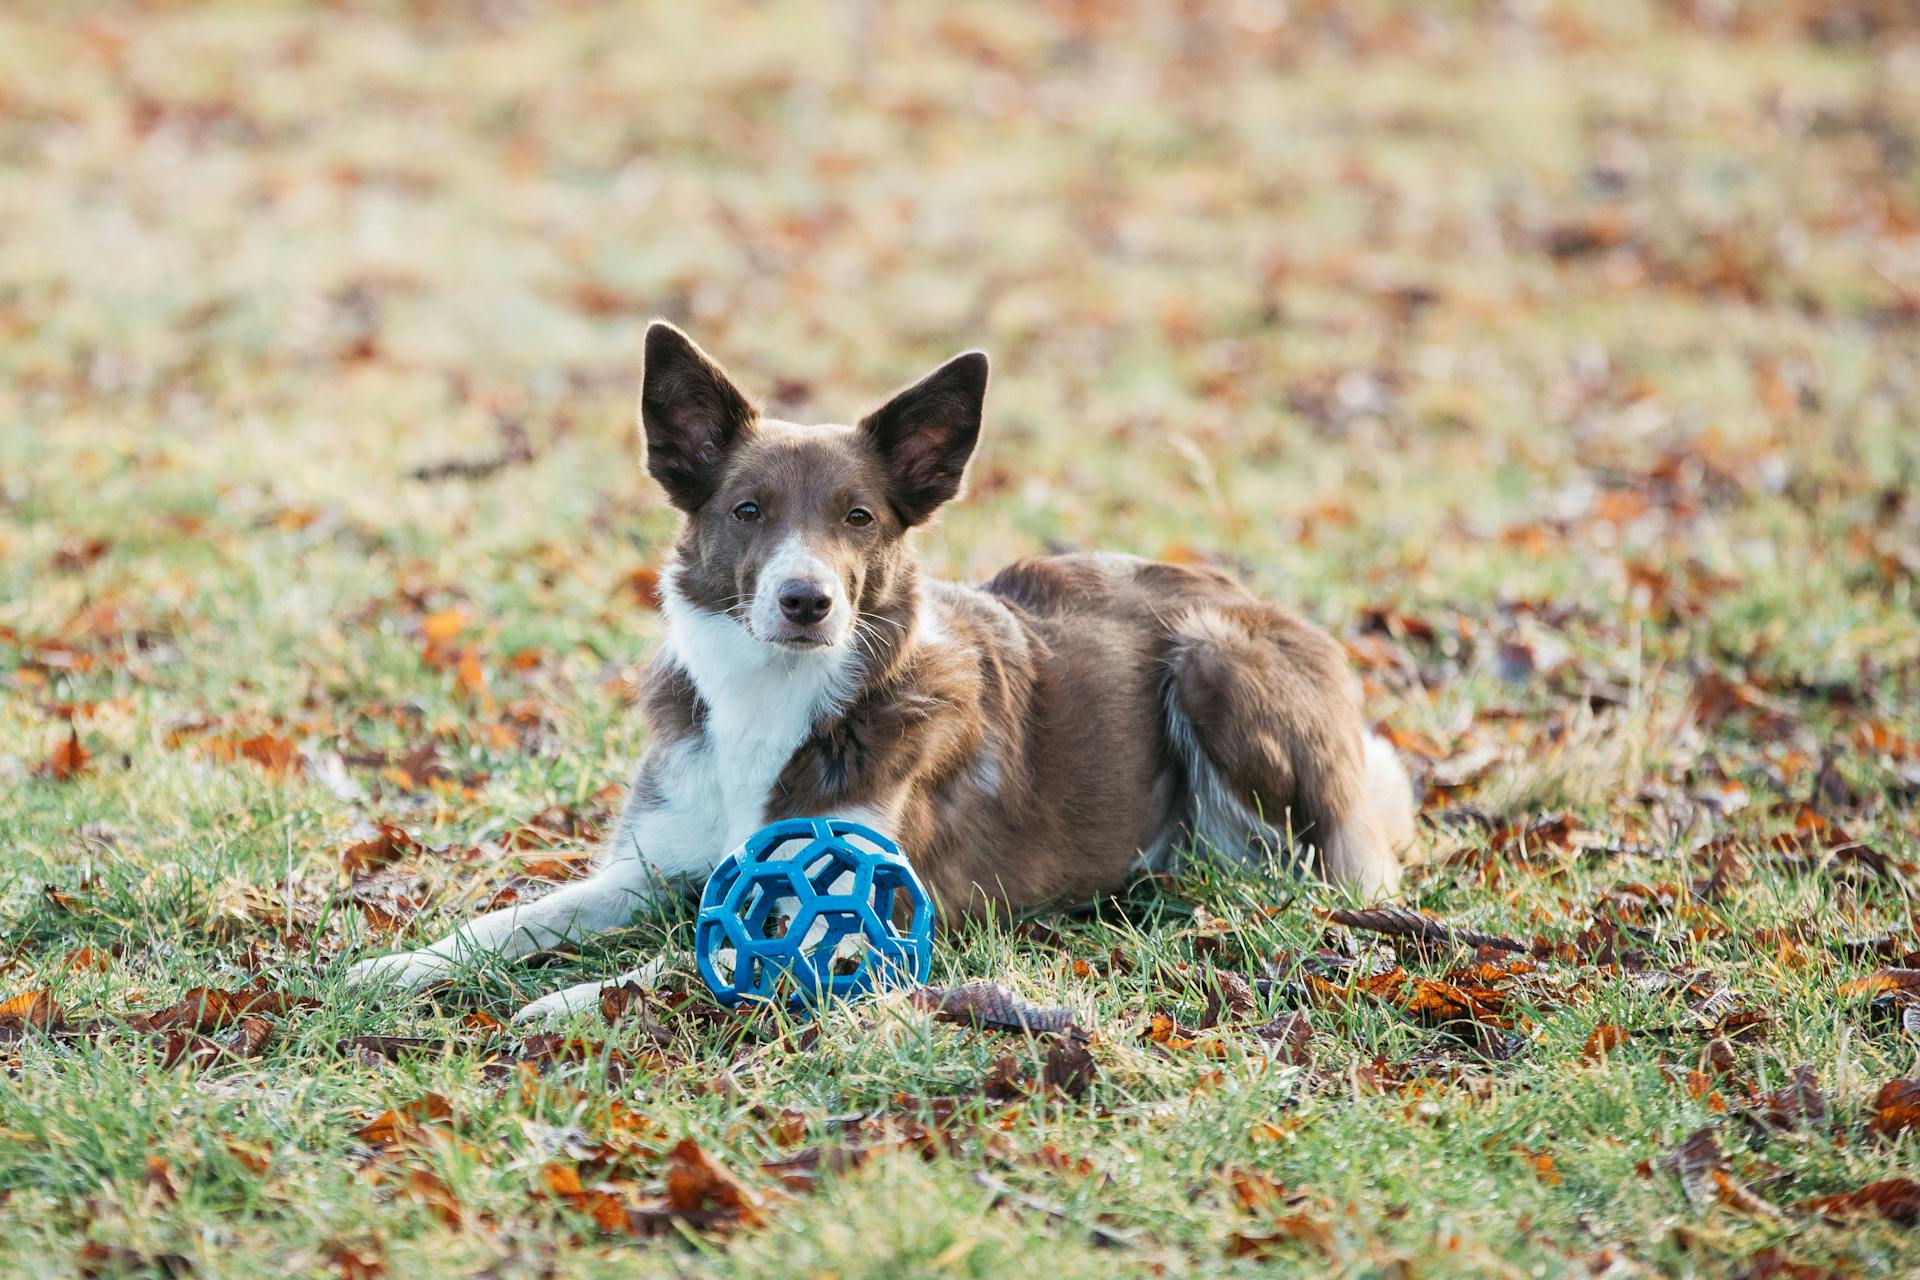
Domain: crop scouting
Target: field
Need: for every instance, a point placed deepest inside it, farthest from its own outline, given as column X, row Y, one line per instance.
column 1562, row 359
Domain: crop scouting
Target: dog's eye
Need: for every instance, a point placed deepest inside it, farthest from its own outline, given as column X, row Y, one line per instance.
column 747, row 511
column 859, row 517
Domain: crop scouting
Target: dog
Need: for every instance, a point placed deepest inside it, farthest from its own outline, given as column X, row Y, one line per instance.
column 1031, row 741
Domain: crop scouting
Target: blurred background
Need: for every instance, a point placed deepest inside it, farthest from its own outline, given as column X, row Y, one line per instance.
column 1390, row 306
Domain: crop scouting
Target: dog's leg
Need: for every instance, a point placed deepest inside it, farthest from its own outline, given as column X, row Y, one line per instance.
column 586, row 995
column 605, row 900
column 1261, row 709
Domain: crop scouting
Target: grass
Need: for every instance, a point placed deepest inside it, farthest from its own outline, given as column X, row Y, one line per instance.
column 1561, row 359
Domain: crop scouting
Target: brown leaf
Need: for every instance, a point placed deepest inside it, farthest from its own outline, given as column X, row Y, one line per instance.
column 1070, row 1068
column 1771, row 1264
column 205, row 1009
column 67, row 760
column 1291, row 1036
column 426, row 1188
column 1162, row 1030
column 992, row 1007
column 1228, row 994
column 1301, row 1228
column 390, row 844
column 1399, row 922
column 358, row 1260
column 1694, row 1160
column 1735, row 1195
column 1881, row 981
column 1793, row 1104
column 1896, row 1109
column 90, row 959
column 160, row 1180
column 1895, row 1199
column 1605, row 1039
column 696, row 1184
column 34, row 1008
column 561, row 1179
column 245, row 1040
column 395, row 1124
column 277, row 756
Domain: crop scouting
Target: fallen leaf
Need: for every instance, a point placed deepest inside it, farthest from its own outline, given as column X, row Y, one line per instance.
column 1300, row 1228
column 992, row 1007
column 30, row 1009
column 68, row 759
column 1694, row 1160
column 1398, row 922
column 1896, row 1109
column 696, row 1184
column 389, row 844
column 1895, row 1199
column 1605, row 1039
column 398, row 1123
column 1291, row 1038
column 1070, row 1068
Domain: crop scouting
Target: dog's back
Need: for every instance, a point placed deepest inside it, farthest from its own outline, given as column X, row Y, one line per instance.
column 1125, row 708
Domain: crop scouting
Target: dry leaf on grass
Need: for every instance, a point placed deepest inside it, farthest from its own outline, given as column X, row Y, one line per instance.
column 697, row 1184
column 1398, row 922
column 992, row 1007
column 1896, row 1108
column 1895, row 1199
column 397, row 1124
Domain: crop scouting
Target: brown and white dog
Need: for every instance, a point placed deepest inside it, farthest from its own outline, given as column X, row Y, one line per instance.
column 1030, row 741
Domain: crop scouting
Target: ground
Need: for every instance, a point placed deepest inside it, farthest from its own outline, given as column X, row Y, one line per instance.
column 1562, row 359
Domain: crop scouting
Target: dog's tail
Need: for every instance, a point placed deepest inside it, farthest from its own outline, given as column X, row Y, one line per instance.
column 1389, row 795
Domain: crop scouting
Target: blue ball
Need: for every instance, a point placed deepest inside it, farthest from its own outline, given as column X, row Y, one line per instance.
column 778, row 908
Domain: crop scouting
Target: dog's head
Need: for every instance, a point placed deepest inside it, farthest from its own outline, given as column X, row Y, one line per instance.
column 796, row 531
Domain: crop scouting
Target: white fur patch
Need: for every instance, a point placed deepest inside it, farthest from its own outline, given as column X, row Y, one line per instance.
column 1219, row 820
column 762, row 700
column 794, row 560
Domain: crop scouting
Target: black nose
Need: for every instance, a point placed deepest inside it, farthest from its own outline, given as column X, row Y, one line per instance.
column 804, row 602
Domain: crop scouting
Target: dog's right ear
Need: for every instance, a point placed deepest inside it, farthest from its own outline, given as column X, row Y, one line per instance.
column 691, row 416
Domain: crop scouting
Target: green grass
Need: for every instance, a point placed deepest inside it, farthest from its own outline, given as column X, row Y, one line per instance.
column 1588, row 331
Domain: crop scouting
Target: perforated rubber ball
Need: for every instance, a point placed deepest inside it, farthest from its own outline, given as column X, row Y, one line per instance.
column 805, row 911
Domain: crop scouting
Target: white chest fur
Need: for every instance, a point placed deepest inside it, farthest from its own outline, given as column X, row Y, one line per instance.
column 761, row 702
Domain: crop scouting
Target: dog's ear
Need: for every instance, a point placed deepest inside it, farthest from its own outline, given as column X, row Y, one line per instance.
column 925, row 434
column 691, row 416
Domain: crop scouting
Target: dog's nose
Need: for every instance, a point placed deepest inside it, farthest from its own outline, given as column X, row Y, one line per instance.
column 803, row 602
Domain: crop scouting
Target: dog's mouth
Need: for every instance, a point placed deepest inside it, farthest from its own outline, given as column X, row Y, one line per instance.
column 802, row 641
column 795, row 639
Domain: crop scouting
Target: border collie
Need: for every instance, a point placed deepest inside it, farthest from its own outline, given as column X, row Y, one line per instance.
column 1033, row 740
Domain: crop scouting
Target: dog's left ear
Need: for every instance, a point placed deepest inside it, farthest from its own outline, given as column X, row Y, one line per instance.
column 926, row 433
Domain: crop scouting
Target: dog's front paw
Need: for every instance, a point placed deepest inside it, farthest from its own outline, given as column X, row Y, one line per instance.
column 562, row 1003
column 410, row 970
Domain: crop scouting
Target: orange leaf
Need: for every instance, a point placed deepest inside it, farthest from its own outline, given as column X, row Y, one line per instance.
column 1605, row 1039
column 1896, row 1109
column 394, row 1124
column 389, row 845
column 561, row 1179
column 441, row 628
column 30, row 1009
column 68, row 758
column 87, row 958
column 696, row 1183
